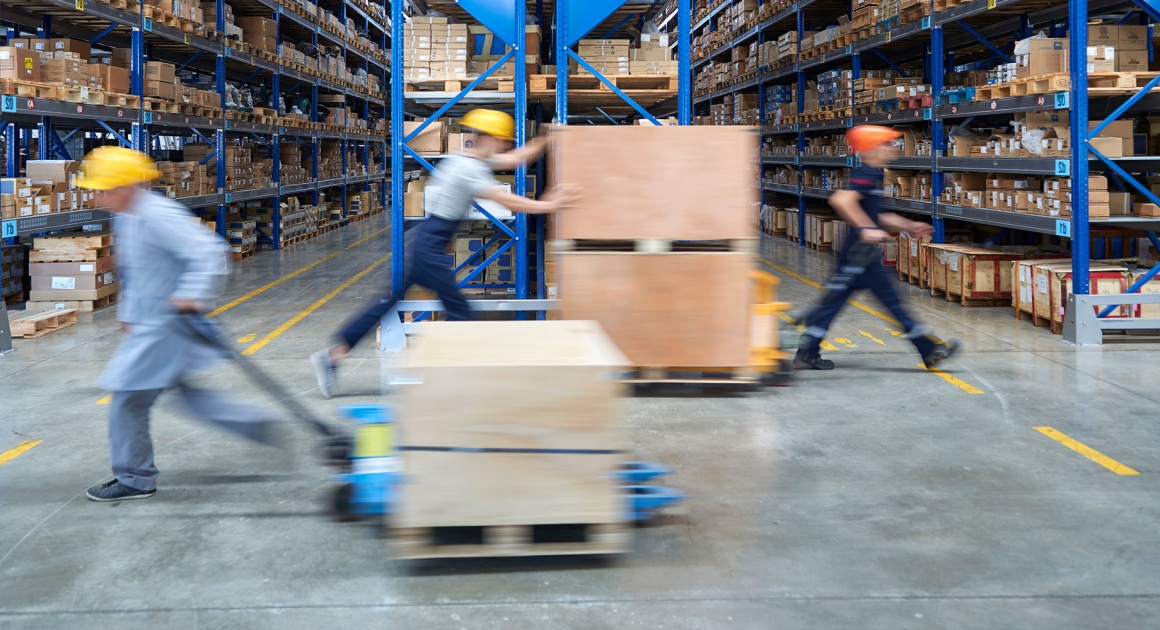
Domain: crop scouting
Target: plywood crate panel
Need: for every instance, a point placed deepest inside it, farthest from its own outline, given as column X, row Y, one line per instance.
column 693, row 183
column 666, row 309
column 445, row 489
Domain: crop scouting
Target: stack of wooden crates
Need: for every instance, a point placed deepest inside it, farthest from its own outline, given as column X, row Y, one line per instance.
column 511, row 436
column 661, row 248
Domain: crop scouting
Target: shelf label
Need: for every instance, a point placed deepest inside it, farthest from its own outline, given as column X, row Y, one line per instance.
column 187, row 38
column 850, row 162
column 148, row 117
column 795, row 126
column 147, row 25
column 1063, row 168
column 281, row 190
column 926, row 23
column 9, row 104
column 229, row 197
column 849, row 48
column 80, row 5
column 849, row 122
column 887, row 40
column 990, row 4
column 926, row 113
column 228, row 53
column 228, row 125
column 1062, row 100
column 1063, row 228
column 9, row 229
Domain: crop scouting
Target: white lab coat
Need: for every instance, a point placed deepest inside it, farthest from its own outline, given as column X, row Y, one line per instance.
column 163, row 252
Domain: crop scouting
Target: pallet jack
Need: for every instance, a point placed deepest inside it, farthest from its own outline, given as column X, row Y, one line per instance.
column 371, row 459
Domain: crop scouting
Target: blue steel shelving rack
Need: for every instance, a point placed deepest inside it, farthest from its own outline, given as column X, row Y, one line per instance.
column 928, row 40
column 572, row 21
column 141, row 128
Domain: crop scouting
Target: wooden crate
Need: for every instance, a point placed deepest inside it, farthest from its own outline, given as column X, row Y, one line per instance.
column 1024, row 294
column 984, row 278
column 1053, row 284
column 1152, row 286
column 664, row 310
column 537, row 446
column 657, row 182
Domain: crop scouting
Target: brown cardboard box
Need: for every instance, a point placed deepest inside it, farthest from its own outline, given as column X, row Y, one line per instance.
column 159, row 71
column 1131, row 37
column 1120, row 203
column 1103, row 34
column 75, row 294
column 1132, row 60
column 70, row 276
column 257, row 25
column 21, row 64
column 115, row 79
column 413, row 204
column 82, row 48
column 161, row 89
column 1044, row 56
column 1146, row 210
column 430, row 142
column 55, row 171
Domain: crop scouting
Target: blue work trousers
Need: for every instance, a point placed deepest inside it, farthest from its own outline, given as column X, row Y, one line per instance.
column 427, row 267
column 860, row 267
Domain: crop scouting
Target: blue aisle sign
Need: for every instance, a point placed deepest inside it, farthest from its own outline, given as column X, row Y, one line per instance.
column 9, row 229
column 1063, row 228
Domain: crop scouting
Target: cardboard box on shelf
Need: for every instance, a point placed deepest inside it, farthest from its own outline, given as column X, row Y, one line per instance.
column 161, row 89
column 21, row 64
column 1039, row 56
column 159, row 71
column 430, row 142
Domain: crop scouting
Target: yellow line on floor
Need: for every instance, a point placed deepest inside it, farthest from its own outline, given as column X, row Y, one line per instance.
column 15, row 452
column 825, row 345
column 1087, row 451
column 873, row 311
column 262, row 289
column 872, row 337
column 277, row 332
column 961, row 384
column 106, row 400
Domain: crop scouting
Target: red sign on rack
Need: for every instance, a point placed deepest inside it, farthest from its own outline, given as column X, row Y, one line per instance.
column 31, row 104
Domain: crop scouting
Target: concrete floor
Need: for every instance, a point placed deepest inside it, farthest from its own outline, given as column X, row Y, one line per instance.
column 874, row 496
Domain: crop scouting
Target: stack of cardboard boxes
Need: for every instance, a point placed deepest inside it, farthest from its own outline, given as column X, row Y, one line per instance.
column 435, row 49
column 11, row 270
column 184, row 9
column 73, row 269
column 63, row 61
column 241, row 232
column 607, row 56
column 292, row 168
column 652, row 56
column 185, row 179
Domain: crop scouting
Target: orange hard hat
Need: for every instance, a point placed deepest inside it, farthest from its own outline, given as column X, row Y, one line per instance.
column 866, row 137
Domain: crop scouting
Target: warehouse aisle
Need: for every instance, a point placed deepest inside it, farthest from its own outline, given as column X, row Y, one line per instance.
column 878, row 495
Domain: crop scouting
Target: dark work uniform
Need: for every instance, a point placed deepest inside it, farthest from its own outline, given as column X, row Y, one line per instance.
column 860, row 267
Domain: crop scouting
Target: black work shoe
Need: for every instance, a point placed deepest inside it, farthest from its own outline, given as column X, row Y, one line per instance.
column 941, row 352
column 815, row 362
column 116, row 491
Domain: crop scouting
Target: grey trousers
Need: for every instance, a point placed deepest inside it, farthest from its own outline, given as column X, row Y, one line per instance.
column 131, row 448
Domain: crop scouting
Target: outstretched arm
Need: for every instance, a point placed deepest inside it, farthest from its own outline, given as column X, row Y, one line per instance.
column 530, row 152
column 552, row 200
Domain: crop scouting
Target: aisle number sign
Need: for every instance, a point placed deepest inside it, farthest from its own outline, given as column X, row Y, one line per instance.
column 1063, row 228
column 8, row 230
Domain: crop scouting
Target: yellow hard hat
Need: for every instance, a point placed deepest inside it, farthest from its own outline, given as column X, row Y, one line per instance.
column 106, row 168
column 491, row 122
column 866, row 137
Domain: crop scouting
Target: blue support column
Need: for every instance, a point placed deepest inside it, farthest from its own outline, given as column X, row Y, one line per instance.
column 938, row 135
column 276, row 159
column 11, row 138
column 684, row 62
column 220, row 136
column 521, row 114
column 561, row 58
column 1080, row 251
column 396, row 140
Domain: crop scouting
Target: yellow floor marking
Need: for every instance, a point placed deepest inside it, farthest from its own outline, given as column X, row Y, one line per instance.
column 1087, row 451
column 873, row 311
column 845, row 342
column 264, row 288
column 15, row 452
column 828, row 346
column 106, row 400
column 961, row 384
column 248, row 338
column 872, row 337
column 896, row 333
column 261, row 343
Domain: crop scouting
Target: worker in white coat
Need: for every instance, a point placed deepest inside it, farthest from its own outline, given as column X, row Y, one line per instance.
column 170, row 265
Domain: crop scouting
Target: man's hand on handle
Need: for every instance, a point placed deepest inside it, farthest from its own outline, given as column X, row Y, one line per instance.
column 872, row 235
column 187, row 307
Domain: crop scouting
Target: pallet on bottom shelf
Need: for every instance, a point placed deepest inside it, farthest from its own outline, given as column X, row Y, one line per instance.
column 81, row 306
column 32, row 324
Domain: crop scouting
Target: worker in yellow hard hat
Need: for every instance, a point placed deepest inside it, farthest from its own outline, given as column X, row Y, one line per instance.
column 860, row 263
column 457, row 182
column 169, row 265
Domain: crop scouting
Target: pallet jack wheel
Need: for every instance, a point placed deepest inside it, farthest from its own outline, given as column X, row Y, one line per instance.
column 337, row 450
column 341, row 501
column 782, row 377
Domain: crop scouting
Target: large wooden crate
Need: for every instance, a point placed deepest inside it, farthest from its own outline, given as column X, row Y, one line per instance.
column 1053, row 283
column 692, row 183
column 506, row 427
column 1024, row 295
column 664, row 310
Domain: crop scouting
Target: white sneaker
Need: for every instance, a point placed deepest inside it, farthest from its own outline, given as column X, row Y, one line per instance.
column 326, row 371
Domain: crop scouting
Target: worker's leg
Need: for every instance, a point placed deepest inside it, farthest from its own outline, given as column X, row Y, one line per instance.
column 130, row 447
column 818, row 320
column 442, row 282
column 369, row 319
column 248, row 421
column 882, row 285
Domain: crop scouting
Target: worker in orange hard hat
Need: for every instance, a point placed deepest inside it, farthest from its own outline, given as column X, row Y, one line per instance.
column 170, row 265
column 860, row 263
column 457, row 182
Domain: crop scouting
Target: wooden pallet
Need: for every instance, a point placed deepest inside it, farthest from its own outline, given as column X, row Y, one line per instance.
column 83, row 306
column 1043, row 84
column 457, row 85
column 161, row 106
column 244, row 255
column 89, row 241
column 741, row 245
column 413, row 543
column 965, row 301
column 744, row 377
column 547, row 82
column 30, row 325
column 73, row 255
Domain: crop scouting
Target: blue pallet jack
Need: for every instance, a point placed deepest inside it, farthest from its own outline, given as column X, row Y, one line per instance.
column 369, row 488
